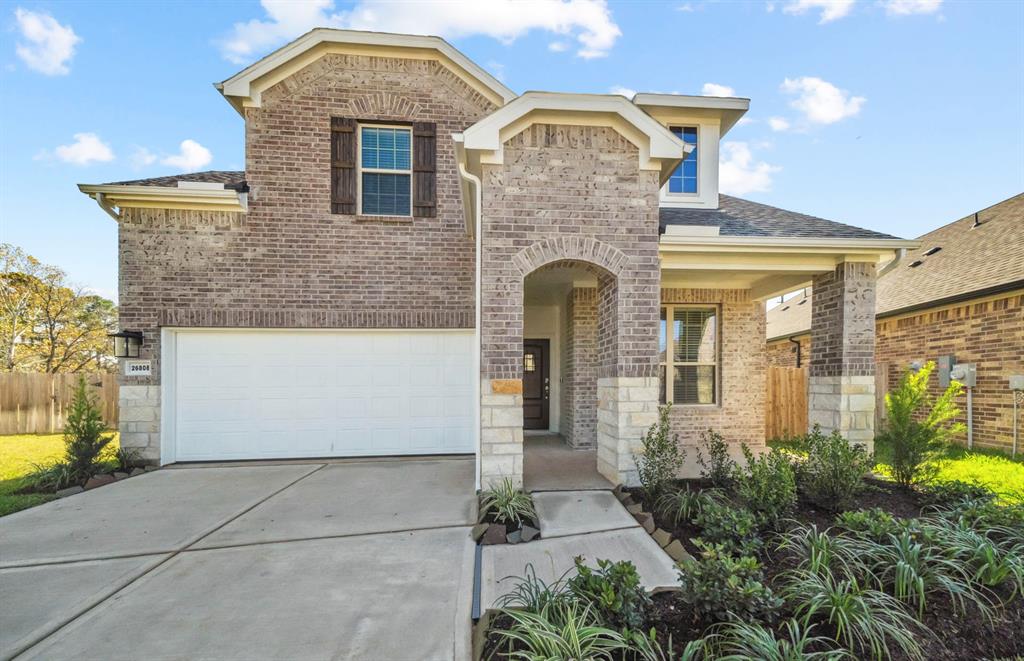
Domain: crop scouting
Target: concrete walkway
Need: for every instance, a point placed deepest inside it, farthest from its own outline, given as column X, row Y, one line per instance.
column 592, row 524
column 298, row 561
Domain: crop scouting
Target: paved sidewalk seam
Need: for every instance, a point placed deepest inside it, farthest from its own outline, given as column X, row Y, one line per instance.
column 467, row 526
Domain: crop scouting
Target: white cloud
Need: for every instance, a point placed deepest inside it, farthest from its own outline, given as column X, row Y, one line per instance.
column 85, row 150
column 778, row 123
column 588, row 21
column 831, row 10
column 739, row 173
column 558, row 47
column 48, row 46
column 624, row 91
column 714, row 89
column 820, row 101
column 192, row 157
column 142, row 157
column 744, row 121
column 908, row 7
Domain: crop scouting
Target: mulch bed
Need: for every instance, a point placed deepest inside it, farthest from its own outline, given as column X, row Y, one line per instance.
column 953, row 635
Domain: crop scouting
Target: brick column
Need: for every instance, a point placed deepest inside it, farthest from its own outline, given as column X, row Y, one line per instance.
column 842, row 363
column 579, row 375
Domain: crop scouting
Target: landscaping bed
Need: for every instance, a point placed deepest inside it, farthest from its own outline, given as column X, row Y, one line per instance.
column 507, row 516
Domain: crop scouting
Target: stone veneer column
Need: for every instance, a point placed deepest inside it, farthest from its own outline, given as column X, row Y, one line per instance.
column 139, row 420
column 626, row 407
column 501, row 431
column 841, row 389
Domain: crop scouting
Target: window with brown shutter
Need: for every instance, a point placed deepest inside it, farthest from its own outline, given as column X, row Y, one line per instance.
column 424, row 171
column 343, row 165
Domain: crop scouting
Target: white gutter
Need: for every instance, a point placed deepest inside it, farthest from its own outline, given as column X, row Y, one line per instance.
column 476, row 184
column 670, row 241
column 165, row 197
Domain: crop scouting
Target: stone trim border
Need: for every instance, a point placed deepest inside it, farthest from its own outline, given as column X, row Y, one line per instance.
column 672, row 547
column 104, row 479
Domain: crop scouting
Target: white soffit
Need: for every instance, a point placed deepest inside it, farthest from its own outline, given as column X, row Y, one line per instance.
column 244, row 88
column 729, row 108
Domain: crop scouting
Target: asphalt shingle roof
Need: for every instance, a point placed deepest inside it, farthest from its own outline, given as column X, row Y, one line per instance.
column 736, row 217
column 233, row 179
column 970, row 259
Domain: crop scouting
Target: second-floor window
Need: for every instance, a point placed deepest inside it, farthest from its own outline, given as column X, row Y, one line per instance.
column 684, row 179
column 385, row 170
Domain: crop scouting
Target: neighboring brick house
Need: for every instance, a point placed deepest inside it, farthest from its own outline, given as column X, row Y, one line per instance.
column 960, row 294
column 417, row 260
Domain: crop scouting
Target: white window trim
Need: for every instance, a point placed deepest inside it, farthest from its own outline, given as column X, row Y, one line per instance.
column 696, row 194
column 360, row 169
column 670, row 353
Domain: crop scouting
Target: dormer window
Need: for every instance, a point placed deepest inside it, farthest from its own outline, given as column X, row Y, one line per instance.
column 684, row 180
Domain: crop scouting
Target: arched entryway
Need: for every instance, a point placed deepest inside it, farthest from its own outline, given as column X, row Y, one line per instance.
column 571, row 319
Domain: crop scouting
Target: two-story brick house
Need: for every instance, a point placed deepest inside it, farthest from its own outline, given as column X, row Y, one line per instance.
column 417, row 260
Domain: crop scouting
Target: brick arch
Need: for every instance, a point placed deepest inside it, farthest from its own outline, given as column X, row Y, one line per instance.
column 584, row 250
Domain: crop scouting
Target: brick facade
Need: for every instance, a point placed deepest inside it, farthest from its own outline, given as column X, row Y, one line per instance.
column 578, row 424
column 574, row 195
column 289, row 262
column 782, row 353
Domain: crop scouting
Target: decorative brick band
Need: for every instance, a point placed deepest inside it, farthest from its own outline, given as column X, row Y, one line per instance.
column 574, row 248
column 236, row 318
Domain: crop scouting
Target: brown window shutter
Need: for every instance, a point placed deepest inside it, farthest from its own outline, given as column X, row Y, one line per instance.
column 343, row 165
column 424, row 169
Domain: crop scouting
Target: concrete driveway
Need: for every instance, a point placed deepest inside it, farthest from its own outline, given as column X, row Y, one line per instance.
column 361, row 559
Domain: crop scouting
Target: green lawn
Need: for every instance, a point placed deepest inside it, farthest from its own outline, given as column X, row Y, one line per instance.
column 17, row 454
column 991, row 468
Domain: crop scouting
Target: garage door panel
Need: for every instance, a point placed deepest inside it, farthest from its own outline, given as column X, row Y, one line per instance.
column 277, row 394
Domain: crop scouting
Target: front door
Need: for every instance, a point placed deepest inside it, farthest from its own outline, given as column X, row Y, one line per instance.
column 536, row 384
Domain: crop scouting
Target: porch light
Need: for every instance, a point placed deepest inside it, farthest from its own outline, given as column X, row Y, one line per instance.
column 127, row 343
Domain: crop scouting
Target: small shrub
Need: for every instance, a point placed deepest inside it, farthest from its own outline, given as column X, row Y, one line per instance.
column 744, row 641
column 821, row 552
column 833, row 473
column 661, row 458
column 865, row 621
column 986, row 515
column 125, row 459
column 953, row 492
column 919, row 425
column 875, row 524
column 49, row 477
column 767, row 485
column 614, row 592
column 684, row 505
column 713, row 457
column 734, row 528
column 720, row 586
column 531, row 593
column 560, row 630
column 508, row 503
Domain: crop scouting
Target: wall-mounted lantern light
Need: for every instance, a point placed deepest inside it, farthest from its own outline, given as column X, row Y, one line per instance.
column 127, row 344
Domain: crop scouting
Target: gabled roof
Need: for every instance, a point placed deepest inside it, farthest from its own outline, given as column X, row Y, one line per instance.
column 978, row 255
column 737, row 217
column 244, row 88
column 233, row 179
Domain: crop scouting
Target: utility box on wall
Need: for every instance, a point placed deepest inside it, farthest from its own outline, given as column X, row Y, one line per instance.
column 965, row 373
column 945, row 364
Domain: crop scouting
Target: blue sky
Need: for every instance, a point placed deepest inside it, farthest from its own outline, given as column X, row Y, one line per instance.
column 897, row 115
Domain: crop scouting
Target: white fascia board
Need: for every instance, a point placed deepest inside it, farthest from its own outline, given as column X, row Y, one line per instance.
column 668, row 242
column 166, row 197
column 688, row 101
column 239, row 85
column 485, row 135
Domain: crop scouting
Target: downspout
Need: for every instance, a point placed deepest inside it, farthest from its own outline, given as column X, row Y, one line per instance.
column 797, row 343
column 474, row 181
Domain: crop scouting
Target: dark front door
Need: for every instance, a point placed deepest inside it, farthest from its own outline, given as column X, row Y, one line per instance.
column 536, row 384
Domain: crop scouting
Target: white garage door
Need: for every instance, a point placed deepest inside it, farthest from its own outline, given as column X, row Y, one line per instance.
column 276, row 394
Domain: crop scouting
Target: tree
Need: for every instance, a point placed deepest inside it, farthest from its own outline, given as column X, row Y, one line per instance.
column 46, row 324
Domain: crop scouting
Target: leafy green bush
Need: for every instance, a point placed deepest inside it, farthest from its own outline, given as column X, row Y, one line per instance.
column 508, row 503
column 919, row 425
column 563, row 629
column 716, row 465
column 874, row 523
column 865, row 621
column 530, row 592
column 985, row 514
column 734, row 528
column 767, row 485
column 614, row 591
column 720, row 586
column 661, row 458
column 84, row 444
column 823, row 552
column 833, row 473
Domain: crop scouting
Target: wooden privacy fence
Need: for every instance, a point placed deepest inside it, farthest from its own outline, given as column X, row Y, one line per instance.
column 33, row 403
column 786, row 402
